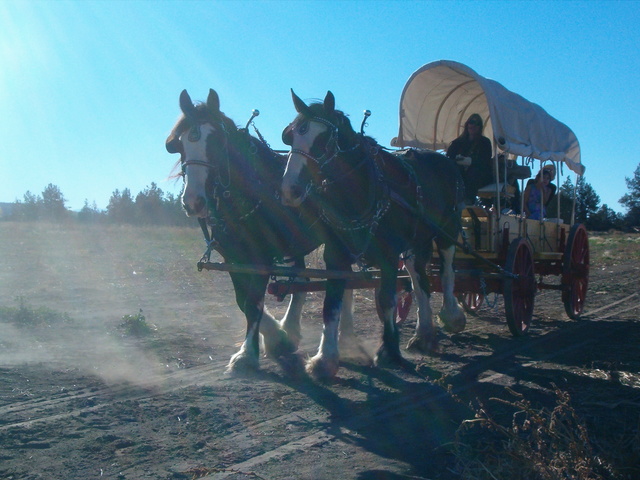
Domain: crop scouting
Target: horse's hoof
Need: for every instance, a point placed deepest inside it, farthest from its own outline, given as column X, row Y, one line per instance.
column 241, row 363
column 293, row 365
column 424, row 344
column 388, row 357
column 322, row 368
column 282, row 346
column 453, row 323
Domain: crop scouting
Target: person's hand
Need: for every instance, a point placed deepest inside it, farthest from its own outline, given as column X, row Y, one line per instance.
column 463, row 161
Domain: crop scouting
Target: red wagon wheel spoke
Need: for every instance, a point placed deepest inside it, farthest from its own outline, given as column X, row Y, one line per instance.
column 575, row 271
column 519, row 291
column 471, row 302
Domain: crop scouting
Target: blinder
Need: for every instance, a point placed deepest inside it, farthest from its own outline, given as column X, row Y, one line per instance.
column 173, row 145
column 194, row 133
column 287, row 135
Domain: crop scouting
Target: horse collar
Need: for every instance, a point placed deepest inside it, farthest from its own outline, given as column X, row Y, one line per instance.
column 378, row 201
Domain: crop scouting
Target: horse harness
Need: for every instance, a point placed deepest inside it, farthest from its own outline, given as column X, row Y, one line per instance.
column 380, row 194
column 215, row 222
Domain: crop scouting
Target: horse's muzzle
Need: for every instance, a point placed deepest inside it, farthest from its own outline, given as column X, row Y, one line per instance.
column 293, row 196
column 195, row 208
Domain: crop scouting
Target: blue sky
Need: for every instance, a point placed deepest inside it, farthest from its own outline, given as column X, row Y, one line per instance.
column 89, row 89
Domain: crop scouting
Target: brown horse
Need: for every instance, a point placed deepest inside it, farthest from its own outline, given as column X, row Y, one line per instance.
column 377, row 205
column 232, row 180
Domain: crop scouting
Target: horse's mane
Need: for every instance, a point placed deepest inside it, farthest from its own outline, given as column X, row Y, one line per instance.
column 204, row 114
column 341, row 120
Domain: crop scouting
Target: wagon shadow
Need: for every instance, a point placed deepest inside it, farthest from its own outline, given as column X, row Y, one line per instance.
column 580, row 356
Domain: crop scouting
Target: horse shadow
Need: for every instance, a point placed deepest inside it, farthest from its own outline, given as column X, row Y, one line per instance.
column 398, row 415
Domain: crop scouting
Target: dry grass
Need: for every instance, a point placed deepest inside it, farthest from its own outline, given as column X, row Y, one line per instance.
column 512, row 439
column 614, row 247
column 538, row 444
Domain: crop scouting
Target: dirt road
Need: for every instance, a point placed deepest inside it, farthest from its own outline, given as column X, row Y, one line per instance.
column 82, row 397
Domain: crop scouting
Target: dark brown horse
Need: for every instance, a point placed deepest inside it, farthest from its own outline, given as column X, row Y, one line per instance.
column 377, row 205
column 232, row 180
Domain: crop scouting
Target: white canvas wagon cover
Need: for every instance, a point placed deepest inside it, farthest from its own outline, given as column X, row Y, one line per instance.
column 439, row 97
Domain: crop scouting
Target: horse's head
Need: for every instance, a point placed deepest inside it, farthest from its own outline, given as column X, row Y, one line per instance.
column 318, row 135
column 201, row 138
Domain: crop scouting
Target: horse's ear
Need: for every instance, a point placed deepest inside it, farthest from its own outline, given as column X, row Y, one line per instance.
column 301, row 107
column 329, row 102
column 213, row 101
column 186, row 105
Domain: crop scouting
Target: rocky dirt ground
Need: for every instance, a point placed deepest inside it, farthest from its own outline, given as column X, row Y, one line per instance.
column 84, row 396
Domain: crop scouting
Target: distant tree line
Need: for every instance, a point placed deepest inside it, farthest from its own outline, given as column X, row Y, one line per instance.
column 152, row 206
column 594, row 215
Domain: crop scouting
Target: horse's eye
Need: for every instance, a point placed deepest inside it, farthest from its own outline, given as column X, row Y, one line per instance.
column 303, row 128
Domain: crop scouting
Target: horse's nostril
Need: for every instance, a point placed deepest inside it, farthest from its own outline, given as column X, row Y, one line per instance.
column 195, row 207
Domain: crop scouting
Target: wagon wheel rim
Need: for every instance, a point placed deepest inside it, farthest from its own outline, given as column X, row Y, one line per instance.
column 576, row 272
column 471, row 301
column 519, row 291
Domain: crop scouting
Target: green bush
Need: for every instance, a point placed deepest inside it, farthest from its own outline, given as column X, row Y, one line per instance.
column 136, row 325
column 24, row 315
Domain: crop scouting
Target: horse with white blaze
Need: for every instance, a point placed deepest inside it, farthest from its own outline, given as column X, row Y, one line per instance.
column 376, row 205
column 232, row 182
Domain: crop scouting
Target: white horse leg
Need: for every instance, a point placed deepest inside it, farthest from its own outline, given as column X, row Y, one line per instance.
column 290, row 323
column 247, row 357
column 325, row 363
column 451, row 314
column 424, row 338
column 276, row 340
column 347, row 333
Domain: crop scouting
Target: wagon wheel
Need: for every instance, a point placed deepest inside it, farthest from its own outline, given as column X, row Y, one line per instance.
column 471, row 301
column 404, row 299
column 575, row 271
column 519, row 292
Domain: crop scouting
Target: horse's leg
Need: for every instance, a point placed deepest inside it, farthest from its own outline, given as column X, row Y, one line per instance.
column 250, row 290
column 425, row 337
column 452, row 315
column 285, row 335
column 389, row 351
column 325, row 363
column 290, row 323
column 347, row 333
